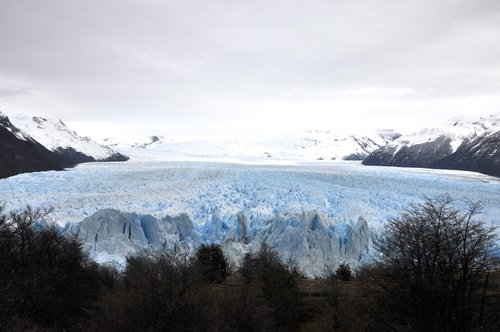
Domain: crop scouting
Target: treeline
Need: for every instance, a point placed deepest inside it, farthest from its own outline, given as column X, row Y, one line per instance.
column 48, row 283
column 436, row 272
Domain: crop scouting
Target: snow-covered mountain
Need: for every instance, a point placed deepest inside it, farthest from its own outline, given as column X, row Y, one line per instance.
column 19, row 153
column 57, row 137
column 7, row 124
column 151, row 141
column 327, row 145
column 464, row 144
column 480, row 154
column 311, row 145
column 39, row 144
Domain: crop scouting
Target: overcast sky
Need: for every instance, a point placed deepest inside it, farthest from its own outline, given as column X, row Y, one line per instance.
column 239, row 68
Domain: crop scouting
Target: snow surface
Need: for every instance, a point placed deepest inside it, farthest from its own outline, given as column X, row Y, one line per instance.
column 7, row 124
column 311, row 145
column 332, row 197
column 341, row 190
column 54, row 134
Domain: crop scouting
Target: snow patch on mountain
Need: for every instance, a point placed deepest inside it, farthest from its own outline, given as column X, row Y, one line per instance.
column 19, row 153
column 152, row 140
column 328, row 145
column 456, row 129
column 461, row 143
column 6, row 122
column 56, row 136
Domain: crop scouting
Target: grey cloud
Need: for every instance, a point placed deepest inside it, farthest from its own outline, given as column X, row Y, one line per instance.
column 187, row 59
column 9, row 91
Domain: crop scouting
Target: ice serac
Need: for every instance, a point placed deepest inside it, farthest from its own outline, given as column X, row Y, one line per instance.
column 462, row 144
column 111, row 231
column 309, row 239
column 114, row 234
column 314, row 243
column 312, row 210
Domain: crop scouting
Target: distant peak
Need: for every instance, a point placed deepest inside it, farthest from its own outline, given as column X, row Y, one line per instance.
column 477, row 123
column 39, row 119
column 155, row 139
column 389, row 134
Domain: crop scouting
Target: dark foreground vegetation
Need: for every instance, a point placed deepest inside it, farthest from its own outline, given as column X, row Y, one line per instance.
column 436, row 273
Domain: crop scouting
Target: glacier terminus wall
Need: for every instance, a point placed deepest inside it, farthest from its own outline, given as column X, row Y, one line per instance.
column 315, row 214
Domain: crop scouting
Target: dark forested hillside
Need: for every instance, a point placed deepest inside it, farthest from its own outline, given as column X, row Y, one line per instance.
column 21, row 153
column 479, row 154
column 20, row 156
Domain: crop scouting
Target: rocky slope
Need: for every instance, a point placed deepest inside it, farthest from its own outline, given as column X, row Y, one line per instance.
column 38, row 144
column 19, row 153
column 480, row 154
column 69, row 148
column 462, row 144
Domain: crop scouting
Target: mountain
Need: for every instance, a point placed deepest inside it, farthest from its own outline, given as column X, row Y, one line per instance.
column 461, row 144
column 19, row 153
column 69, row 148
column 311, row 145
column 329, row 146
column 152, row 140
column 38, row 144
column 480, row 154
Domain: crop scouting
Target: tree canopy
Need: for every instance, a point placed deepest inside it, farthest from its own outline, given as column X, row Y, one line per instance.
column 436, row 260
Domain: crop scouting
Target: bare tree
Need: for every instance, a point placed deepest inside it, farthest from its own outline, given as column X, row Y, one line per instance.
column 46, row 279
column 436, row 260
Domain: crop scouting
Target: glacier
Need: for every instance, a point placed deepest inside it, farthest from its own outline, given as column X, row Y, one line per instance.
column 316, row 214
column 308, row 145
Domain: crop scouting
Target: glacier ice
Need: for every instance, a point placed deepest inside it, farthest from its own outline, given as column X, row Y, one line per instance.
column 317, row 214
column 309, row 239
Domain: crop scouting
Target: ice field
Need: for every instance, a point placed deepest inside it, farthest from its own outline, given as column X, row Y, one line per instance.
column 273, row 200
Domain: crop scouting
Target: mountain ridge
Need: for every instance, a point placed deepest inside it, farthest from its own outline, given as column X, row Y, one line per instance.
column 21, row 154
column 311, row 145
column 57, row 137
column 38, row 144
column 461, row 144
